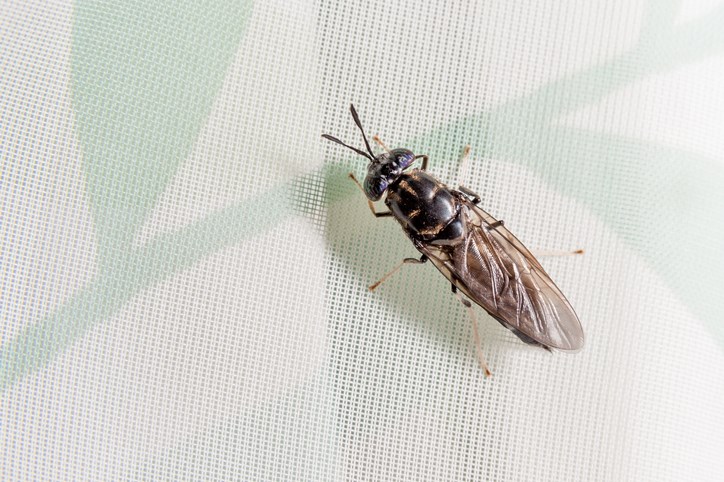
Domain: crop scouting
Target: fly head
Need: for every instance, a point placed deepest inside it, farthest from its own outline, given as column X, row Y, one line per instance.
column 383, row 170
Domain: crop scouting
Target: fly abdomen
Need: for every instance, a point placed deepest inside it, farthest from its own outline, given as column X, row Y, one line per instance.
column 426, row 208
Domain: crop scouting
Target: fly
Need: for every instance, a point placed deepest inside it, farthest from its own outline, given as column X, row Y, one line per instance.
column 472, row 249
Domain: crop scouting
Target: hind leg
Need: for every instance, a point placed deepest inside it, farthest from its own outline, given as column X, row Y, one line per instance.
column 476, row 334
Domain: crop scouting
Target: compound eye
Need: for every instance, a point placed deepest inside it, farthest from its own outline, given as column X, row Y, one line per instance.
column 403, row 157
column 375, row 187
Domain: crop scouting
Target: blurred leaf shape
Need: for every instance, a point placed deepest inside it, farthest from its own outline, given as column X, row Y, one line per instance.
column 145, row 76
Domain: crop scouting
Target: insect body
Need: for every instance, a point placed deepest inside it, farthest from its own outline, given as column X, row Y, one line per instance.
column 473, row 250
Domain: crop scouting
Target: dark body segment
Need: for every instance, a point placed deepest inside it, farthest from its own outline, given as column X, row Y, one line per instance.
column 492, row 268
column 484, row 260
column 427, row 209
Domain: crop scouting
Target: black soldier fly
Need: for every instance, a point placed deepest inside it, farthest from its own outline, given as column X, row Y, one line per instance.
column 473, row 250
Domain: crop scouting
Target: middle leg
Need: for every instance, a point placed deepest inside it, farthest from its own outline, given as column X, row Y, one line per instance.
column 462, row 171
column 394, row 270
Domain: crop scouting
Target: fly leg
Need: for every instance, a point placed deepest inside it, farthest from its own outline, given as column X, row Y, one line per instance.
column 474, row 198
column 394, row 270
column 377, row 214
column 541, row 253
column 424, row 161
column 476, row 334
column 380, row 143
column 463, row 169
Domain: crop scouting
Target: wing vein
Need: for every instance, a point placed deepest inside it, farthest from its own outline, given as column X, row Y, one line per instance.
column 498, row 273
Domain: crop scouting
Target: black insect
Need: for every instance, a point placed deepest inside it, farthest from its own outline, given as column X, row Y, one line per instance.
column 473, row 250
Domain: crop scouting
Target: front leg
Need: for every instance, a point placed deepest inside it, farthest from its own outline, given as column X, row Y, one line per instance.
column 424, row 158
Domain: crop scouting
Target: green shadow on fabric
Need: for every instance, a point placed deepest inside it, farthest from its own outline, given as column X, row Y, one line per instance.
column 619, row 165
column 671, row 226
column 146, row 266
column 145, row 76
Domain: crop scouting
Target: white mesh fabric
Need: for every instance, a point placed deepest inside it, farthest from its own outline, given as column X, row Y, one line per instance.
column 185, row 262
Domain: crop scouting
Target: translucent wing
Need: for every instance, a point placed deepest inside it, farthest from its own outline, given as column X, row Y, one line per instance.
column 497, row 272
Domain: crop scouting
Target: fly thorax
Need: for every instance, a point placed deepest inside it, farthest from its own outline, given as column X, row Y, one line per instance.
column 426, row 208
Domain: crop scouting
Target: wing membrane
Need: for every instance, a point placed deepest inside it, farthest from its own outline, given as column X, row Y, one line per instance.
column 497, row 272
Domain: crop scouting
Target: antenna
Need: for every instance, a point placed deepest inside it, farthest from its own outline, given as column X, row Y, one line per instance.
column 359, row 124
column 358, row 151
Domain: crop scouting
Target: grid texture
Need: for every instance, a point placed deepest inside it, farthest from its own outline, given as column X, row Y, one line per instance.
column 185, row 262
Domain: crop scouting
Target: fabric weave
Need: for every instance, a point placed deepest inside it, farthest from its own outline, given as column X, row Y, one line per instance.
column 185, row 262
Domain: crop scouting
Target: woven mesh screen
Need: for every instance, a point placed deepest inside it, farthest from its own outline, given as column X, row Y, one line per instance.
column 185, row 262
